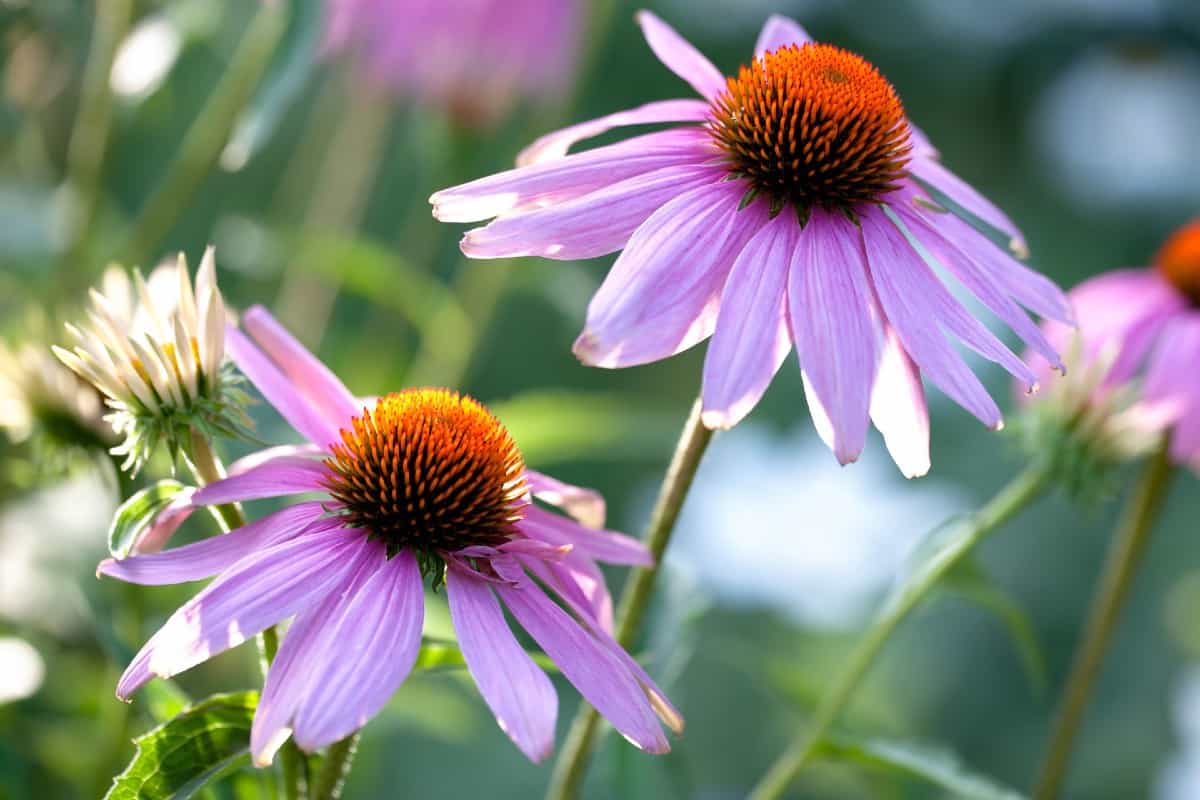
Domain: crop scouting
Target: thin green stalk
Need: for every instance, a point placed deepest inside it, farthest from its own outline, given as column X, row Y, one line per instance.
column 572, row 764
column 204, row 140
column 1124, row 555
column 93, row 121
column 334, row 769
column 1020, row 492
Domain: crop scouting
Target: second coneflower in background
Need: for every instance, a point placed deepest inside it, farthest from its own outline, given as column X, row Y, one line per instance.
column 790, row 210
column 472, row 58
column 155, row 348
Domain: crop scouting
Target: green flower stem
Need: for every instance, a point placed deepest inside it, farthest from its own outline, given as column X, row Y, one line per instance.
column 1125, row 553
column 335, row 767
column 1023, row 490
column 572, row 764
column 93, row 122
column 207, row 467
column 204, row 140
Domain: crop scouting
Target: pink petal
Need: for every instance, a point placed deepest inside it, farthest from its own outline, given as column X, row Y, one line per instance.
column 324, row 390
column 835, row 325
column 585, row 505
column 515, row 688
column 555, row 145
column 269, row 454
column 279, row 390
column 594, row 224
column 570, row 176
column 378, row 638
column 898, row 409
column 282, row 475
column 751, row 339
column 661, row 295
column 259, row 591
column 779, row 31
column 602, row 545
column 1171, row 382
column 679, row 56
column 966, row 196
column 207, row 557
column 598, row 674
column 158, row 533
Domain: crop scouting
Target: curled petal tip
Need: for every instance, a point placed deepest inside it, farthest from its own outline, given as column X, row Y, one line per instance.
column 998, row 426
column 717, row 420
column 1019, row 248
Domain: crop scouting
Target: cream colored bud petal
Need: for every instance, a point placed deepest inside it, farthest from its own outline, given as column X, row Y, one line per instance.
column 206, row 275
column 185, row 358
column 81, row 364
column 187, row 298
column 155, row 325
column 161, row 381
column 212, row 340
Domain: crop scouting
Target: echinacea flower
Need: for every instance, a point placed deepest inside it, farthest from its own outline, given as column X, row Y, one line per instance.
column 419, row 482
column 155, row 349
column 1139, row 334
column 38, row 392
column 472, row 58
column 793, row 210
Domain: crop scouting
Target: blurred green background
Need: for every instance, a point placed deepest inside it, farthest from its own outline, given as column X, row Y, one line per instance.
column 1079, row 117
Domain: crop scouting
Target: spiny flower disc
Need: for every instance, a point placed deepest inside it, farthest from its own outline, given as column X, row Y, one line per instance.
column 430, row 470
column 1179, row 260
column 813, row 125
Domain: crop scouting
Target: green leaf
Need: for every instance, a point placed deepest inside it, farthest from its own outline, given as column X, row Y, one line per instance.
column 969, row 580
column 135, row 515
column 930, row 764
column 176, row 759
column 436, row 654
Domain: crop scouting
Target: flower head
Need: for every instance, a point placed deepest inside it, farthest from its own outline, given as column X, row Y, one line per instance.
column 796, row 205
column 423, row 480
column 472, row 58
column 155, row 349
column 1137, row 347
column 39, row 393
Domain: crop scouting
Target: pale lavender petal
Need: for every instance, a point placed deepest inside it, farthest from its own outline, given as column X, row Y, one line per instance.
column 207, row 557
column 269, row 454
column 898, row 409
column 585, row 505
column 594, row 224
column 662, row 294
column 571, row 176
column 1172, row 382
column 751, row 338
column 324, row 390
column 279, row 390
column 579, row 581
column 835, row 325
column 602, row 545
column 158, row 533
column 515, row 688
column 377, row 638
column 592, row 668
column 779, row 31
column 280, row 476
column 966, row 196
column 257, row 592
column 555, row 145
column 921, row 145
column 679, row 56
column 908, row 294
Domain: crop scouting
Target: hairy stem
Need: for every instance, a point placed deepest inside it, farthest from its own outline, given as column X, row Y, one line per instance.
column 335, row 767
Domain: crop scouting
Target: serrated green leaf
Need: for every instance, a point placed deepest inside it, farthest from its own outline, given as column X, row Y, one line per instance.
column 176, row 759
column 135, row 515
column 937, row 766
column 969, row 580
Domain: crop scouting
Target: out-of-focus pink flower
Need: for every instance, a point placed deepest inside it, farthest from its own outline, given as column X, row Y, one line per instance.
column 788, row 211
column 418, row 482
column 474, row 58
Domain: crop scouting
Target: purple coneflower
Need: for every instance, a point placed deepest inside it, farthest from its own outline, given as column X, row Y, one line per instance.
column 419, row 482
column 1139, row 334
column 473, row 58
column 788, row 213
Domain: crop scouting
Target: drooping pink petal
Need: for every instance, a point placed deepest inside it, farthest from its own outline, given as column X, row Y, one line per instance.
column 751, row 338
column 325, row 391
column 207, row 557
column 257, row 592
column 585, row 505
column 1172, row 382
column 377, row 638
column 835, row 325
column 779, row 31
column 557, row 144
column 268, row 454
column 1127, row 307
column 593, row 669
column 571, row 176
column 966, row 196
column 898, row 409
column 679, row 56
column 280, row 476
column 516, row 689
column 594, row 224
column 602, row 545
column 901, row 286
column 279, row 390
column 921, row 145
column 661, row 295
